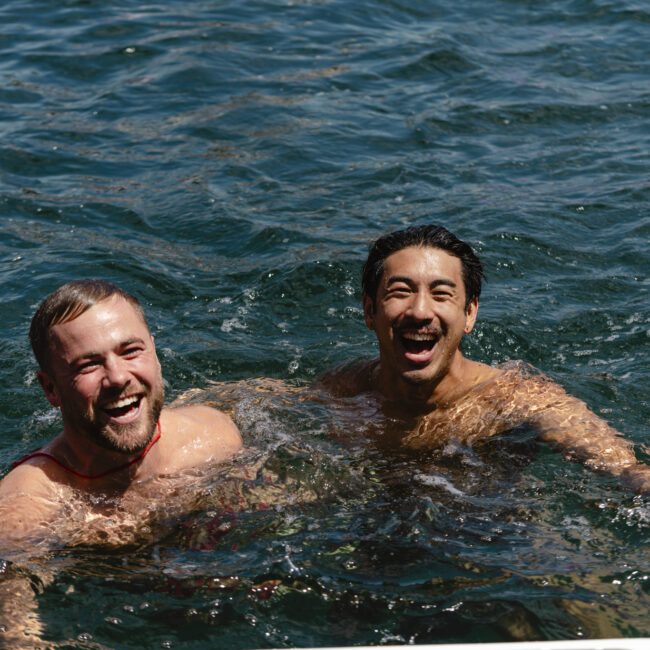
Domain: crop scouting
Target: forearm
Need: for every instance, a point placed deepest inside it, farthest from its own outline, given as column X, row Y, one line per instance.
column 600, row 450
column 583, row 436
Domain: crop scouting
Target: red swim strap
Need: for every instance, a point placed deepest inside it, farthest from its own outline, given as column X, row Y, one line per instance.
column 91, row 477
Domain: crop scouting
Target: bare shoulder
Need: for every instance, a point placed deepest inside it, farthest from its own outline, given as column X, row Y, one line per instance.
column 30, row 478
column 541, row 395
column 200, row 433
column 522, row 384
column 478, row 374
column 29, row 502
column 348, row 379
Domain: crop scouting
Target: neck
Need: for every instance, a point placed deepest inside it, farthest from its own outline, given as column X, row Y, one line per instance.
column 415, row 397
column 80, row 458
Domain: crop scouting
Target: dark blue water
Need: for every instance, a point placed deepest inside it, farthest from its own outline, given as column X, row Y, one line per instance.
column 228, row 162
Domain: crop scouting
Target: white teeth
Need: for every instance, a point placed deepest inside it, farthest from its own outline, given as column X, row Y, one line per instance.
column 411, row 336
column 121, row 403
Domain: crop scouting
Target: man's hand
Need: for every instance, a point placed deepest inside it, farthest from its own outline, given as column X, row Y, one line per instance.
column 637, row 477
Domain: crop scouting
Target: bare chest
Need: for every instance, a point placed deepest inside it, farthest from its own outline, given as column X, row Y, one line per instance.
column 130, row 516
column 478, row 415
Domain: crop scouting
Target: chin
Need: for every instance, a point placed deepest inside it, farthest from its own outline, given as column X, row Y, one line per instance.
column 130, row 437
column 127, row 439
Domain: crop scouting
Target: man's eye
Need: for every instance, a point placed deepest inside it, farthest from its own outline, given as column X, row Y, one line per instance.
column 398, row 291
column 132, row 352
column 87, row 366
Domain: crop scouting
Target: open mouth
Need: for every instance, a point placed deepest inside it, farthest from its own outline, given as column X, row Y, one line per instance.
column 123, row 407
column 418, row 345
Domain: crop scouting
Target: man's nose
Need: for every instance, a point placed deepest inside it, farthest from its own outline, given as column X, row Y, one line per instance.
column 421, row 307
column 116, row 371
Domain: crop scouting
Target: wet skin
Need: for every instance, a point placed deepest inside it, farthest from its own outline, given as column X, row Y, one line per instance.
column 105, row 377
column 419, row 315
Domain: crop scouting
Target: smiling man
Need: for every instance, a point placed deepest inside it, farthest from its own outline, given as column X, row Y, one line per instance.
column 119, row 444
column 421, row 289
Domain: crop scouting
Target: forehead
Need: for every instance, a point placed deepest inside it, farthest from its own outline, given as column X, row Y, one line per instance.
column 422, row 263
column 105, row 325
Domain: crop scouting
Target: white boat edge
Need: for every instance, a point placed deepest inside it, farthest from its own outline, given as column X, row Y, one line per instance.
column 582, row 644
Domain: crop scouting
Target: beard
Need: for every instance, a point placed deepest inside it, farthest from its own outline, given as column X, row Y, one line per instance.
column 128, row 438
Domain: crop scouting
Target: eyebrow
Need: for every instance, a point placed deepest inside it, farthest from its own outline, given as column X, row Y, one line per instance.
column 407, row 280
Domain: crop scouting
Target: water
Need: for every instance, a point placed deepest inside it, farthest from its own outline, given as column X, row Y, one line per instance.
column 228, row 162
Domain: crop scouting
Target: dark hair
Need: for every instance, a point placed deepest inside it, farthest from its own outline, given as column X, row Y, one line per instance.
column 67, row 303
column 428, row 235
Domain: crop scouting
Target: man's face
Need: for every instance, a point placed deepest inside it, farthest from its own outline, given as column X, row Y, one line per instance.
column 419, row 315
column 105, row 376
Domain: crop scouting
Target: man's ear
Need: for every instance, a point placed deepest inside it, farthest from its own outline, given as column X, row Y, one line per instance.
column 470, row 315
column 369, row 312
column 155, row 352
column 48, row 388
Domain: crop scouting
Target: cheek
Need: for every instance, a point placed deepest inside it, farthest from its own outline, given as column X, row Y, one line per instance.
column 84, row 388
column 148, row 370
column 452, row 314
column 384, row 324
column 391, row 312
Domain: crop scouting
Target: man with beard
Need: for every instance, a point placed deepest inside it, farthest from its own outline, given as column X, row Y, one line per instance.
column 98, row 365
column 421, row 289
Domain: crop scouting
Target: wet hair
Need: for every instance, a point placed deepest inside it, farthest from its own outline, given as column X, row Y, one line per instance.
column 67, row 303
column 427, row 235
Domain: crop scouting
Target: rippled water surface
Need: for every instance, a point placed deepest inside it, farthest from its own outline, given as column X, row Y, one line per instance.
column 228, row 162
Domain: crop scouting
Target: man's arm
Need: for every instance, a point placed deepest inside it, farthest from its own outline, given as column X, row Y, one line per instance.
column 28, row 505
column 20, row 624
column 567, row 423
column 26, row 509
